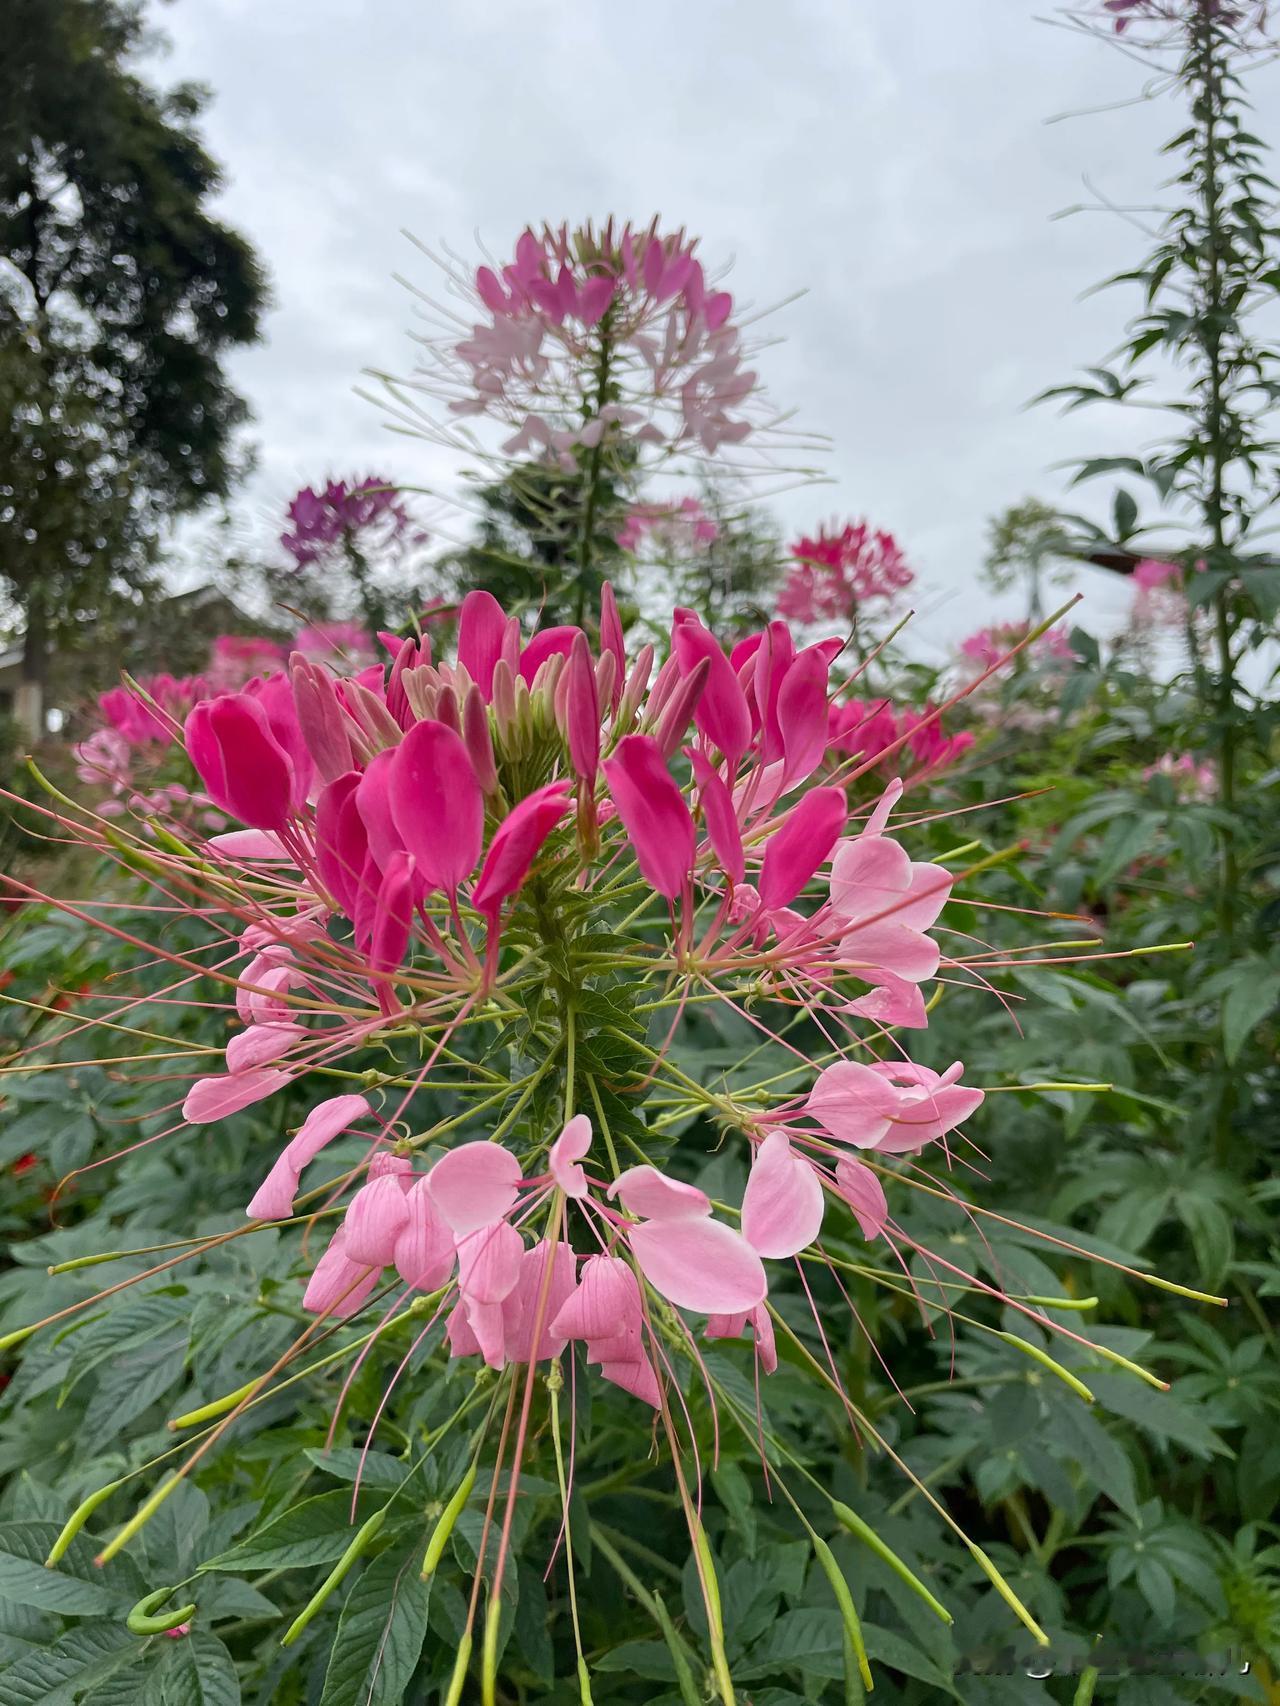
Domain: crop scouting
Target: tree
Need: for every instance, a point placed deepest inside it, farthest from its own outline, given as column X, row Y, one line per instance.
column 1022, row 543
column 527, row 546
column 119, row 296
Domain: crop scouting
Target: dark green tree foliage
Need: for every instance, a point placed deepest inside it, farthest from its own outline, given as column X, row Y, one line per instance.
column 120, row 295
column 527, row 545
column 732, row 581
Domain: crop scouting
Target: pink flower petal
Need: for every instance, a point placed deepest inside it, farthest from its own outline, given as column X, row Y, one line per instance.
column 216, row 1098
column 606, row 1302
column 437, row 804
column 489, row 1263
column 567, row 1150
column 864, row 1193
column 375, row 1218
column 699, row 1264
column 783, row 1203
column 794, row 853
column 894, row 1002
column 424, row 1249
column 259, row 1045
column 258, row 845
column 852, row 1103
column 516, row 843
column 653, row 812
column 647, row 1192
column 323, row 1124
column 474, row 1185
column 520, row 1308
column 637, row 1378
column 720, row 816
column 338, row 1286
column 721, row 713
column 482, row 627
column 273, row 1199
column 730, row 1327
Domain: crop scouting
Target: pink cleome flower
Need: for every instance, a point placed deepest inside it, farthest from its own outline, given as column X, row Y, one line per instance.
column 988, row 646
column 628, row 303
column 366, row 795
column 840, row 570
column 675, row 527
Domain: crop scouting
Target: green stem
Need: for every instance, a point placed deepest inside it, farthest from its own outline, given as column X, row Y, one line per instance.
column 594, row 461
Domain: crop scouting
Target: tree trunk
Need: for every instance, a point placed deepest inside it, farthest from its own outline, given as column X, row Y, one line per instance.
column 28, row 706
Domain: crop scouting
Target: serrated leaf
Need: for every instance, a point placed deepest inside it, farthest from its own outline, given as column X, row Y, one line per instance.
column 1159, row 1413
column 23, row 1577
column 317, row 1531
column 807, row 1638
column 199, row 1671
column 349, row 1462
column 380, row 1632
column 60, row 1674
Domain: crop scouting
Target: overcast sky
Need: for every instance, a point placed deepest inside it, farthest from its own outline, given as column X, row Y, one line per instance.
column 892, row 158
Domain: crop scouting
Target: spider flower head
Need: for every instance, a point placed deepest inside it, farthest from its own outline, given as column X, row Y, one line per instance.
column 592, row 342
column 424, row 822
column 840, row 570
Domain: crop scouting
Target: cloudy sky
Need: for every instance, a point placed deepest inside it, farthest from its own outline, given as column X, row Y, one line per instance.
column 894, row 161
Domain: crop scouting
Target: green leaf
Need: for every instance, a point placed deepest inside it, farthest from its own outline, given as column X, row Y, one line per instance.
column 805, row 1639
column 899, row 1654
column 349, row 1462
column 1124, row 512
column 1254, row 991
column 647, row 1659
column 199, row 1671
column 315, row 1532
column 1159, row 1413
column 24, row 1546
column 380, row 1632
column 59, row 1675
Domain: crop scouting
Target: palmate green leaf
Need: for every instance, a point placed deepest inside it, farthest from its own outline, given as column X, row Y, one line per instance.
column 61, row 1674
column 380, row 1632
column 317, row 1531
column 1157, row 1413
column 807, row 1639
column 1075, row 1432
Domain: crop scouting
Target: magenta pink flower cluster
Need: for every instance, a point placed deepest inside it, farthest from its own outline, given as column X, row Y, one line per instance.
column 1166, row 14
column 157, row 712
column 403, row 821
column 344, row 510
column 235, row 659
column 840, row 570
column 678, row 528
column 1160, row 591
column 913, row 740
column 105, row 760
column 988, row 646
column 592, row 339
column 1192, row 778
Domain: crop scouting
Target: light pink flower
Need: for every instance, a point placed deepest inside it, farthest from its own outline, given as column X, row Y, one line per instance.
column 892, row 1106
